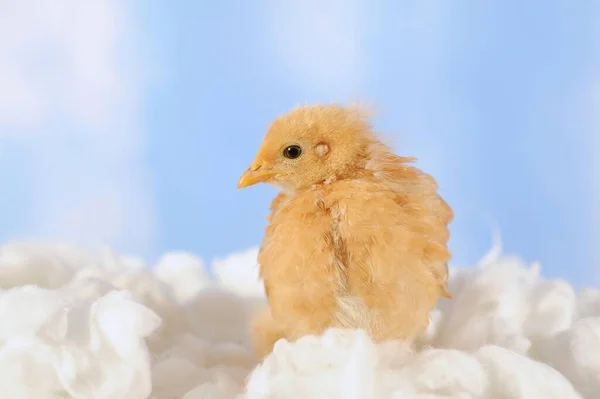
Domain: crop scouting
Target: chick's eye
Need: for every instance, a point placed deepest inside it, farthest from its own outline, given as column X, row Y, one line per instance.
column 292, row 152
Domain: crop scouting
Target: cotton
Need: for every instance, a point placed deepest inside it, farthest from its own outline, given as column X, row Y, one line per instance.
column 83, row 324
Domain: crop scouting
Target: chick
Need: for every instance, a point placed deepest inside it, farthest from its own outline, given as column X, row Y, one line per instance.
column 357, row 238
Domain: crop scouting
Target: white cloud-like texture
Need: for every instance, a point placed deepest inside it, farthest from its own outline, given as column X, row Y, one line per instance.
column 68, row 103
column 98, row 325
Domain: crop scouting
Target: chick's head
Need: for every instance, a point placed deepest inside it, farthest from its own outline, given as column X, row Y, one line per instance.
column 310, row 145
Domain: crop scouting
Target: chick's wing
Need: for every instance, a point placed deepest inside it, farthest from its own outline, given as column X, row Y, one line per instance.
column 394, row 257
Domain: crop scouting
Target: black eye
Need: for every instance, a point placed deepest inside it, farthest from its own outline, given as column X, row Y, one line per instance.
column 292, row 152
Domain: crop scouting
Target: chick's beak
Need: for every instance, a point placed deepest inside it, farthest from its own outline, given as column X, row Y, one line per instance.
column 256, row 173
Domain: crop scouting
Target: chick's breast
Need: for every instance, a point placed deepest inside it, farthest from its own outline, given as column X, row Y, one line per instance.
column 296, row 264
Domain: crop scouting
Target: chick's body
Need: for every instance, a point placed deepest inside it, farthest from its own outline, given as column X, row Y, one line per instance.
column 362, row 243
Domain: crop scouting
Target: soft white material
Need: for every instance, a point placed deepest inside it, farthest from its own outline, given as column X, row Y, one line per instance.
column 81, row 325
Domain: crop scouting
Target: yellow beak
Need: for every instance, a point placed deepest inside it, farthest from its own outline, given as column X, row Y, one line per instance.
column 255, row 175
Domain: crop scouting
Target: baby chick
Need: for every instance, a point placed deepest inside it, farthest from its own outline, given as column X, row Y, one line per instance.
column 356, row 239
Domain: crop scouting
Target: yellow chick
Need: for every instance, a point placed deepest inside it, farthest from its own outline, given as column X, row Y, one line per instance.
column 356, row 239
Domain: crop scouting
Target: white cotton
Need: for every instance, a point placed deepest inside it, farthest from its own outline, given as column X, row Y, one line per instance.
column 490, row 307
column 123, row 321
column 26, row 309
column 589, row 303
column 512, row 376
column 27, row 369
column 576, row 354
column 239, row 273
column 174, row 376
column 183, row 273
column 220, row 383
column 340, row 364
column 106, row 326
column 217, row 315
column 30, row 264
column 442, row 372
column 552, row 308
column 104, row 354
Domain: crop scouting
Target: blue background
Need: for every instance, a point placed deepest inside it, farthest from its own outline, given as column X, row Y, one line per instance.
column 497, row 99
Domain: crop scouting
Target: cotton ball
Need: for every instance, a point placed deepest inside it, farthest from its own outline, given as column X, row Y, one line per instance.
column 114, row 361
column 512, row 376
column 490, row 308
column 26, row 309
column 71, row 256
column 575, row 353
column 88, row 285
column 589, row 303
column 338, row 364
column 394, row 354
column 115, row 263
column 230, row 354
column 391, row 382
column 143, row 287
column 123, row 321
column 121, row 263
column 208, row 369
column 173, row 377
column 99, row 374
column 147, row 291
column 155, row 295
column 218, row 315
column 26, row 370
column 21, row 266
column 68, row 346
column 219, row 384
column 239, row 273
column 184, row 273
column 189, row 347
column 199, row 369
column 553, row 308
column 445, row 372
column 206, row 354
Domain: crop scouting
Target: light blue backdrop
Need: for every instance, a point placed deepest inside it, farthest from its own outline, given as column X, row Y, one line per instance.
column 498, row 99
